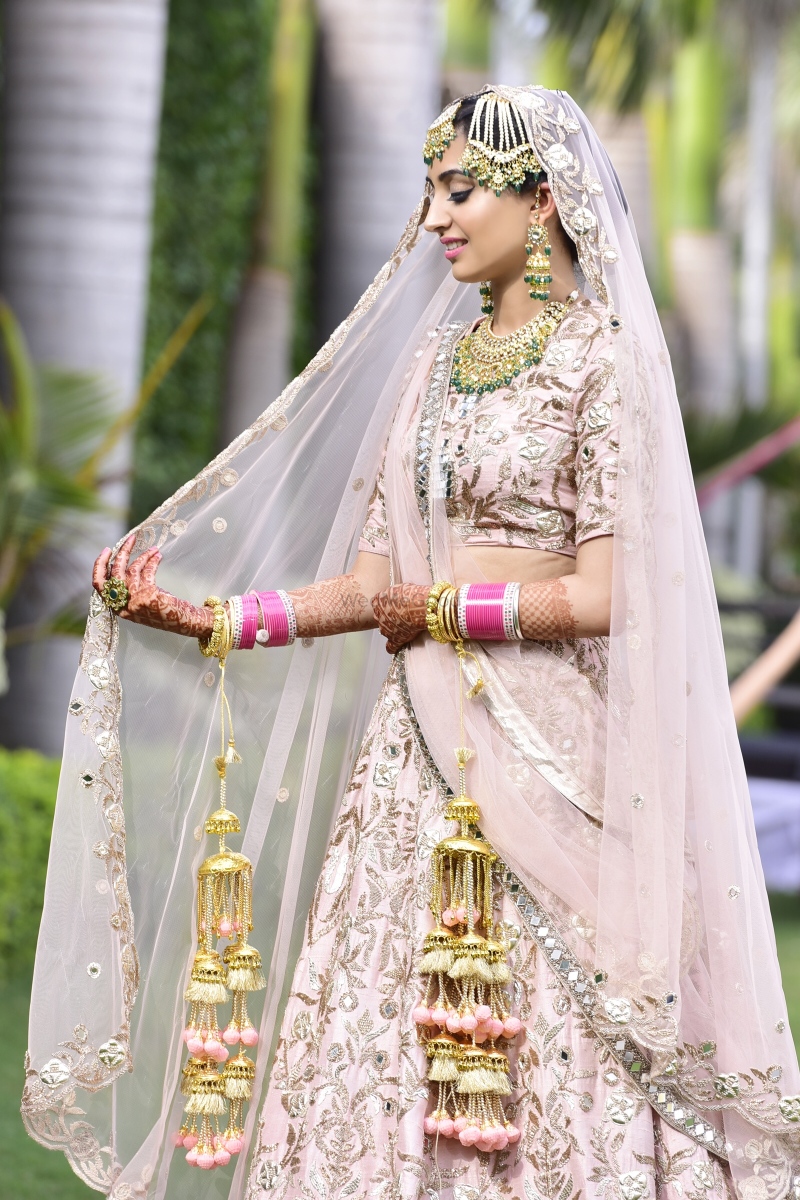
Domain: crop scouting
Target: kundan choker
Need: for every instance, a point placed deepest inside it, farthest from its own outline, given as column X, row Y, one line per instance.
column 484, row 362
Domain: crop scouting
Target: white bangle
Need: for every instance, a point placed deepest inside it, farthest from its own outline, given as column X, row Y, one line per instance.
column 291, row 616
column 518, row 636
column 511, row 590
column 461, row 610
column 236, row 619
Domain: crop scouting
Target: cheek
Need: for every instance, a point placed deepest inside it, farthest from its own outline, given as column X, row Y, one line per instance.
column 492, row 235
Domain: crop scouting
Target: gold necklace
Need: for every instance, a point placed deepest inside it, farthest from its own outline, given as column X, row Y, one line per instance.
column 484, row 361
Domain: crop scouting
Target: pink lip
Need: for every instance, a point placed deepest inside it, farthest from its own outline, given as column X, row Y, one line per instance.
column 452, row 249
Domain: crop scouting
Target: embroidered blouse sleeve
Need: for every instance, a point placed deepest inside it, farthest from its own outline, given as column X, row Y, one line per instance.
column 597, row 419
column 375, row 534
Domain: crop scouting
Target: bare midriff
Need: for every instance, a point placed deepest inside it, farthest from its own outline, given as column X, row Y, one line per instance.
column 498, row 564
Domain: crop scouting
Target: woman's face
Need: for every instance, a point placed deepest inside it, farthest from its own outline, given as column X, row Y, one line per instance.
column 483, row 235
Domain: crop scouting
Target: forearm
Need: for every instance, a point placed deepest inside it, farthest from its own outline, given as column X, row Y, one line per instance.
column 332, row 606
column 568, row 607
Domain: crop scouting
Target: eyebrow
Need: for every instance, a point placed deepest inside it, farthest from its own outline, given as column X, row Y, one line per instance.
column 445, row 175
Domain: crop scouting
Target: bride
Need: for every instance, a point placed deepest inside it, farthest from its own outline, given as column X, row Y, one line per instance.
column 573, row 990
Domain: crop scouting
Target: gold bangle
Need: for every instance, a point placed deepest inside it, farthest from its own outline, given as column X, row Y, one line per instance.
column 441, row 616
column 432, row 611
column 216, row 644
column 450, row 616
column 446, row 615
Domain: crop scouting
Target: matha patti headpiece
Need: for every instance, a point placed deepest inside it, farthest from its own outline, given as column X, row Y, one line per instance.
column 498, row 153
column 441, row 133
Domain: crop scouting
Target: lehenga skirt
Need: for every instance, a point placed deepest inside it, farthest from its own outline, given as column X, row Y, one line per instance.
column 347, row 1096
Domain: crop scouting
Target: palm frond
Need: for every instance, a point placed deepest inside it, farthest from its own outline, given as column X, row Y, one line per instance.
column 77, row 411
column 712, row 442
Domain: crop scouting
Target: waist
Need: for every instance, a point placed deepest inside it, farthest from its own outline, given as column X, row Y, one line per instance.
column 509, row 564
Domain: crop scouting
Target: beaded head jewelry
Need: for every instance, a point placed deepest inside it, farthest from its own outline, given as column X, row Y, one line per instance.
column 441, row 133
column 498, row 153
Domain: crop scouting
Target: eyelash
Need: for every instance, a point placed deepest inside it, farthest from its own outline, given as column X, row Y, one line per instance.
column 460, row 197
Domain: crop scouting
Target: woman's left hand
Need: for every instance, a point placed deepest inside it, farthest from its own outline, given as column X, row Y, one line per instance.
column 400, row 613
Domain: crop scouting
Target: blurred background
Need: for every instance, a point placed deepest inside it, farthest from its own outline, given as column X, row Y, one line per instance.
column 194, row 194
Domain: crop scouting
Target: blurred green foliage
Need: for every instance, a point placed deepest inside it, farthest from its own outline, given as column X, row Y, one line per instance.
column 713, row 440
column 51, row 422
column 467, row 33
column 207, row 190
column 28, row 784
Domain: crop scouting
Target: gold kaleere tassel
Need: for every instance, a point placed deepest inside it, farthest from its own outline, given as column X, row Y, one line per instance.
column 224, row 913
column 465, row 1010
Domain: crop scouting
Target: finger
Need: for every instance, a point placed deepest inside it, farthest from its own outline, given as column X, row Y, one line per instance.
column 387, row 626
column 100, row 568
column 136, row 569
column 122, row 559
column 150, row 563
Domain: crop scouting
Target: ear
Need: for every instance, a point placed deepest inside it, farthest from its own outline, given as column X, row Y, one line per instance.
column 547, row 205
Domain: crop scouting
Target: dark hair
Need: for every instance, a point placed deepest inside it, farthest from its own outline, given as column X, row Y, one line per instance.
column 463, row 120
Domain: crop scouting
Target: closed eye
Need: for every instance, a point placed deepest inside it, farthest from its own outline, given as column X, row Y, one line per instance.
column 460, row 197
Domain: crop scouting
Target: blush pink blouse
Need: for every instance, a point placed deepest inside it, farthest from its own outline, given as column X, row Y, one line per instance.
column 533, row 464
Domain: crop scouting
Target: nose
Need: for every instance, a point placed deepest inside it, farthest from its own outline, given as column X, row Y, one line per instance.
column 438, row 219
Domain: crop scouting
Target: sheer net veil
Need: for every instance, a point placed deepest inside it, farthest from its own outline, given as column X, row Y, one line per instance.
column 626, row 814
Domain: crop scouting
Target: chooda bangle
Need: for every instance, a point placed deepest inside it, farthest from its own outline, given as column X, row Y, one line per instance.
column 489, row 612
column 115, row 594
column 217, row 643
column 278, row 618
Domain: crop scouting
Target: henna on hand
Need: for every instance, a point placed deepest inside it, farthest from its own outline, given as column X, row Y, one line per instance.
column 545, row 612
column 332, row 606
column 400, row 613
column 149, row 604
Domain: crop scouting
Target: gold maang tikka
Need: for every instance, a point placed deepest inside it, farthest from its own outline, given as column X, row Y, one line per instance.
column 498, row 153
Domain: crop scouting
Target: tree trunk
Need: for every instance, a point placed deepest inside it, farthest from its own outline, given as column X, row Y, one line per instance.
column 259, row 362
column 754, row 280
column 517, row 42
column 81, row 105
column 624, row 136
column 379, row 92
column 700, row 252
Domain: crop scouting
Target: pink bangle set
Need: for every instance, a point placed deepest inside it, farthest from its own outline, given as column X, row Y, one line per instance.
column 489, row 612
column 278, row 625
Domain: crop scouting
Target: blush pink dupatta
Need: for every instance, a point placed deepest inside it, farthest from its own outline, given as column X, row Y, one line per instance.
column 623, row 818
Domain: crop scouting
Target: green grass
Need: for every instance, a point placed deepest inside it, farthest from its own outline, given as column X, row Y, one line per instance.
column 786, row 918
column 38, row 1172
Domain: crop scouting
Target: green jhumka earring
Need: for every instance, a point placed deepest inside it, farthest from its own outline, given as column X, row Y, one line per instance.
column 537, row 268
column 487, row 303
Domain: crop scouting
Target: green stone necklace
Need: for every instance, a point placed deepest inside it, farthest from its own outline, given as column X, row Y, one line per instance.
column 484, row 362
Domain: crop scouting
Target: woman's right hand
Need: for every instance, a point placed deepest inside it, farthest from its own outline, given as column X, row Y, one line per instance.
column 149, row 604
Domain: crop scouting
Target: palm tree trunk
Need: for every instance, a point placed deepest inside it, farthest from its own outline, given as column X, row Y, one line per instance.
column 81, row 105
column 700, row 252
column 754, row 284
column 379, row 90
column 259, row 362
column 517, row 42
